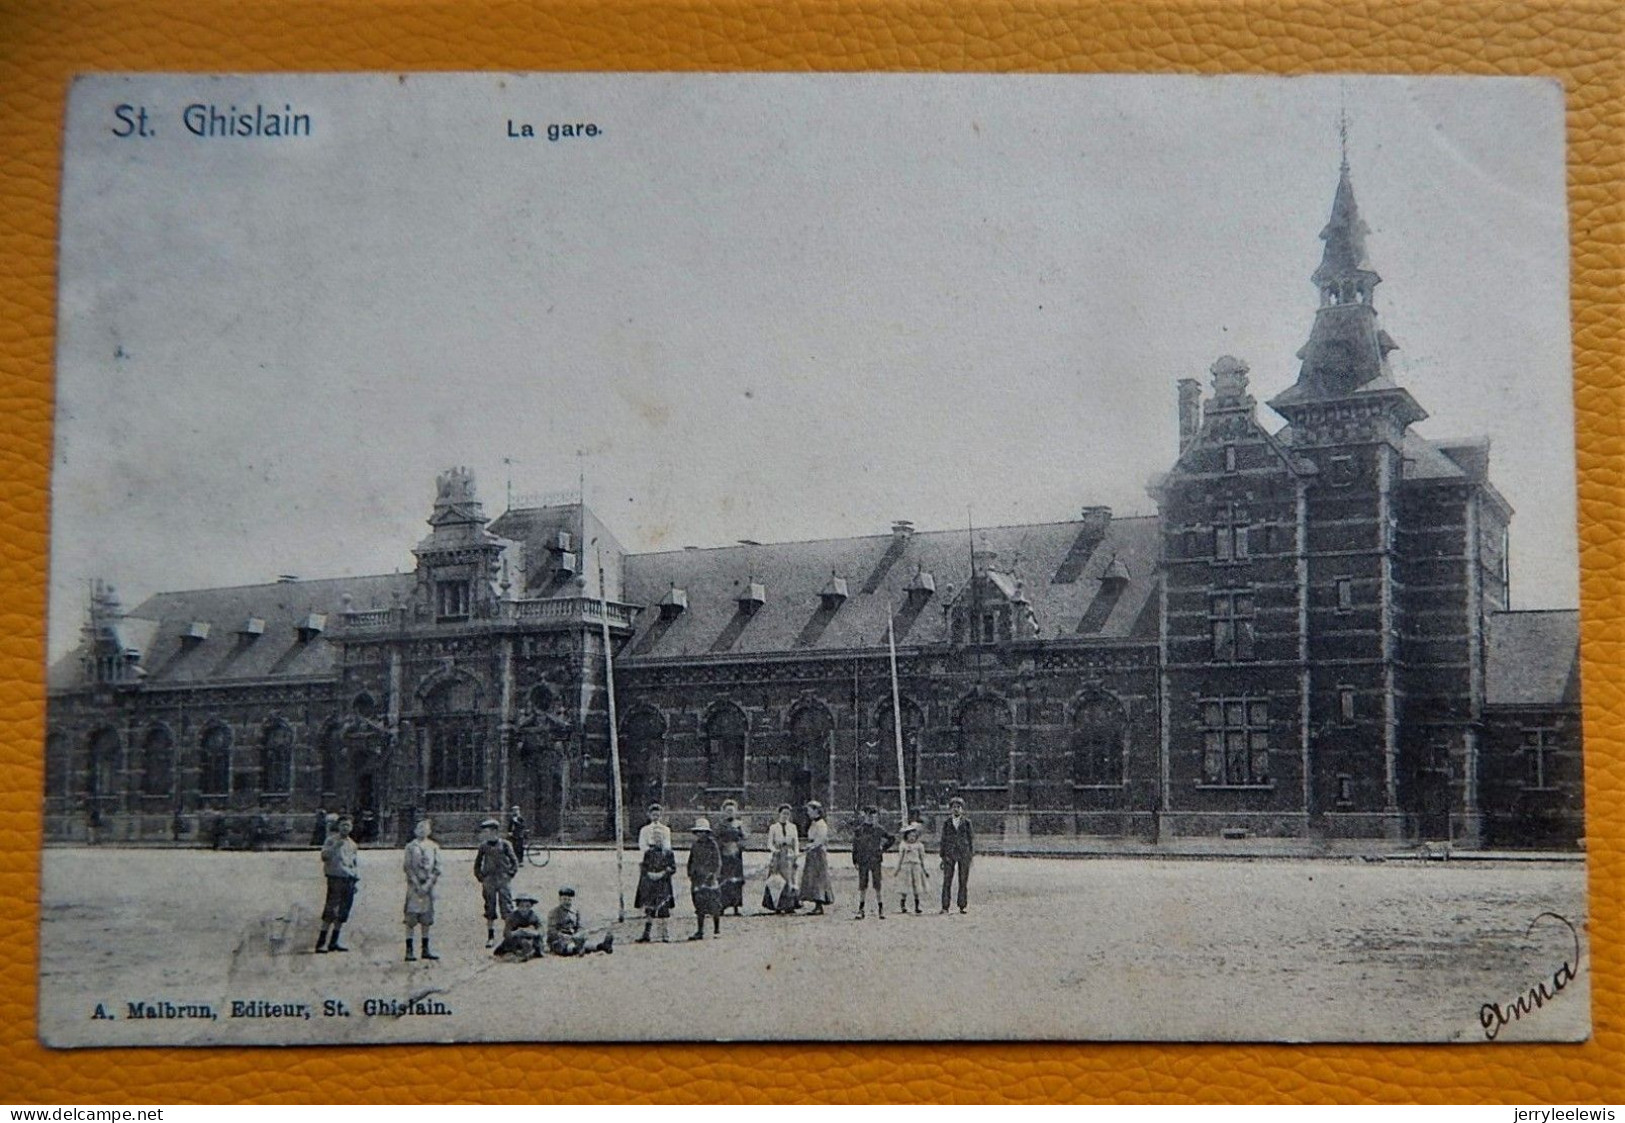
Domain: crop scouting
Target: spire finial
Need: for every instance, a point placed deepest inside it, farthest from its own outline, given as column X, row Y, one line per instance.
column 1343, row 124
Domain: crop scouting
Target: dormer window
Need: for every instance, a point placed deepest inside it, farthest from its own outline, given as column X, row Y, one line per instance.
column 312, row 626
column 753, row 598
column 1116, row 576
column 197, row 631
column 451, row 600
column 1229, row 458
column 251, row 628
column 564, row 563
column 674, row 603
column 834, row 593
column 922, row 588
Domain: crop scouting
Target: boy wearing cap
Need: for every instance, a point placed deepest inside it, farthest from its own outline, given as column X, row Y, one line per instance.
column 704, row 875
column 495, row 865
column 422, row 866
column 521, row 932
column 341, row 864
column 564, row 934
column 957, row 846
column 518, row 832
column 869, row 845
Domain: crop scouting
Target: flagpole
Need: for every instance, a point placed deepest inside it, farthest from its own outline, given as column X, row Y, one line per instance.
column 614, row 740
column 897, row 718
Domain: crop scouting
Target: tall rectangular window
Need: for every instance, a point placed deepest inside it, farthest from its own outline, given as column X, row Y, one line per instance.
column 1235, row 742
column 1539, row 758
column 1231, row 621
column 1230, row 534
column 1345, row 594
column 452, row 600
column 1345, row 703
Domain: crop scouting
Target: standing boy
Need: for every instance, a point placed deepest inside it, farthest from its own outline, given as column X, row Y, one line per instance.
column 518, row 832
column 342, row 865
column 869, row 845
column 957, row 846
column 495, row 865
column 422, row 865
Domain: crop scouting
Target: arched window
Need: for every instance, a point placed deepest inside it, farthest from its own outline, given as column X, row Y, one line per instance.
column 643, row 748
column 276, row 759
column 158, row 762
column 456, row 741
column 984, row 752
column 1098, row 737
column 330, row 754
column 214, row 761
column 725, row 736
column 886, row 751
column 101, row 772
column 812, row 732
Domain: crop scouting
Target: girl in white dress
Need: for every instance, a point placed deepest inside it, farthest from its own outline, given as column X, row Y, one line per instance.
column 911, row 872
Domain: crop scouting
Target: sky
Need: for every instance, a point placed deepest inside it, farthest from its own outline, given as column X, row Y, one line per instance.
column 756, row 306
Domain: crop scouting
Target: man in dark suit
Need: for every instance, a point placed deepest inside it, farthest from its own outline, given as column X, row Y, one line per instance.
column 956, row 848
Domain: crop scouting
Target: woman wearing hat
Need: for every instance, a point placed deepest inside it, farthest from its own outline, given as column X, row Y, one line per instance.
column 704, row 870
column 784, row 846
column 815, row 886
column 912, row 876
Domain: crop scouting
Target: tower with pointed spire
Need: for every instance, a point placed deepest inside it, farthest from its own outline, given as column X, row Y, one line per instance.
column 1326, row 587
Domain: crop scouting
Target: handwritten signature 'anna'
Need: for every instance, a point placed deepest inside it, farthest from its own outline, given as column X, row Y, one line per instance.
column 1494, row 1017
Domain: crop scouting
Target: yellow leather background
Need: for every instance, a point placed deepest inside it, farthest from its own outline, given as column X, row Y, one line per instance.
column 43, row 45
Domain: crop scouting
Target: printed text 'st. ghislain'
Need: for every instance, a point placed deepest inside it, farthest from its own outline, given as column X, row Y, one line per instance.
column 208, row 121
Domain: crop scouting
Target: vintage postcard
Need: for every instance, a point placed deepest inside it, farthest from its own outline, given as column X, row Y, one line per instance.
column 725, row 557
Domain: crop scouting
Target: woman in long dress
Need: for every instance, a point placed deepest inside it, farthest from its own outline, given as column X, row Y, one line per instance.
column 730, row 837
column 784, row 846
column 815, row 886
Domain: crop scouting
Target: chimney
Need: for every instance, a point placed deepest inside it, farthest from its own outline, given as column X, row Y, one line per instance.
column 902, row 528
column 1095, row 521
column 1190, row 411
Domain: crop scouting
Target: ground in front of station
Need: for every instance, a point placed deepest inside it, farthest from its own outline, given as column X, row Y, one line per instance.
column 1051, row 949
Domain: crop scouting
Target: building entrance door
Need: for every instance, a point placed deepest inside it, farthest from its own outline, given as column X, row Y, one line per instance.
column 368, row 810
column 547, row 796
column 1433, row 792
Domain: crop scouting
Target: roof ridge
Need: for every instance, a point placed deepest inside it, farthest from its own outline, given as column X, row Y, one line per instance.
column 303, row 582
column 883, row 535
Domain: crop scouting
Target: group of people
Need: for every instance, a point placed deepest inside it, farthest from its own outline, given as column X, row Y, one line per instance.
column 798, row 875
column 798, row 872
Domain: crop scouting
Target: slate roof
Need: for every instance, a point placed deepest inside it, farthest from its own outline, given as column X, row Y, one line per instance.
column 1059, row 564
column 157, row 629
column 1533, row 659
column 1425, row 460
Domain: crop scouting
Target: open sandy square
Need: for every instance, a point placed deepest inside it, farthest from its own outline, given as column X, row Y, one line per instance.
column 1052, row 948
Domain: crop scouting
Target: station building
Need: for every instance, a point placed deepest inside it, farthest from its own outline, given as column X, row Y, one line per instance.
column 1311, row 639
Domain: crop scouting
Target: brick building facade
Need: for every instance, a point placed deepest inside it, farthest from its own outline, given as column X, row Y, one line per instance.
column 1311, row 639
